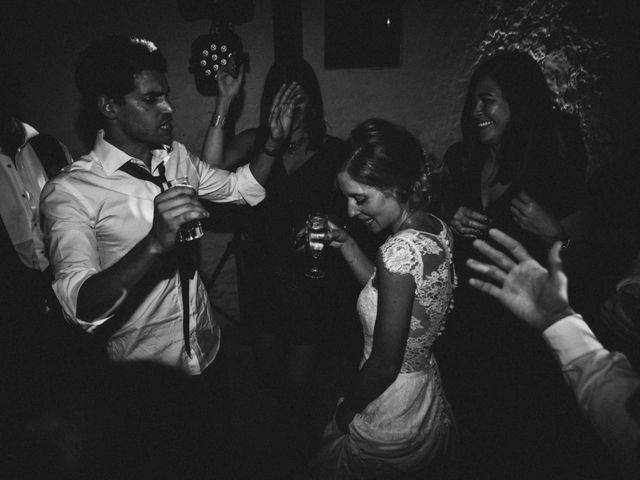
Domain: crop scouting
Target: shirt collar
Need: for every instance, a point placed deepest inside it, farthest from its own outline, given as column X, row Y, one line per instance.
column 112, row 158
column 29, row 133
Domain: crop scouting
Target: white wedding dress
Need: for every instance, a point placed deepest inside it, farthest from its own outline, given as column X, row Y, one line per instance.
column 409, row 430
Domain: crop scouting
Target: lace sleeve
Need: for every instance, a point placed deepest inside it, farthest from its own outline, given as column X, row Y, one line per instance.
column 413, row 253
column 400, row 255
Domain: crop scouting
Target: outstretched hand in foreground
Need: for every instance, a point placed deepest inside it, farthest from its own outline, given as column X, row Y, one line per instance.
column 534, row 294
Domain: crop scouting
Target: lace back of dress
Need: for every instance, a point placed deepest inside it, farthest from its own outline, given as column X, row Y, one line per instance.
column 405, row 253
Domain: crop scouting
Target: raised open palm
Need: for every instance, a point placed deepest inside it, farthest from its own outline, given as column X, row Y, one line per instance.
column 281, row 112
column 536, row 295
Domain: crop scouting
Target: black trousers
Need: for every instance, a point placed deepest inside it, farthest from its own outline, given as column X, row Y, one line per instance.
column 210, row 390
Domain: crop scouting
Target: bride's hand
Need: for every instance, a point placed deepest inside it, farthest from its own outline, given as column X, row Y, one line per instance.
column 300, row 240
column 337, row 236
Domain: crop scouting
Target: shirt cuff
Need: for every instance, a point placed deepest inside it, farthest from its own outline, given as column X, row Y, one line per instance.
column 250, row 189
column 67, row 289
column 570, row 338
column 627, row 281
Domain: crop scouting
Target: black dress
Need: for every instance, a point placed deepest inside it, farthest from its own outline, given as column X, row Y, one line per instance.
column 281, row 299
column 557, row 182
column 506, row 389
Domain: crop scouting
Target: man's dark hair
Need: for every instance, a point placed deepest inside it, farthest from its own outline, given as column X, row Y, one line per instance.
column 108, row 66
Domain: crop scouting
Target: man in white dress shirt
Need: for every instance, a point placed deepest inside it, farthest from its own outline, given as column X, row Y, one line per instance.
column 112, row 234
column 27, row 160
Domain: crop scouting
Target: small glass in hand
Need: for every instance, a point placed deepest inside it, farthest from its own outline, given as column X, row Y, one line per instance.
column 317, row 229
column 191, row 230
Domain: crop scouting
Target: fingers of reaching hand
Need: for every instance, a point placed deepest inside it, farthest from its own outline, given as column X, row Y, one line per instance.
column 525, row 198
column 491, row 271
column 513, row 246
column 485, row 287
column 496, row 256
column 555, row 262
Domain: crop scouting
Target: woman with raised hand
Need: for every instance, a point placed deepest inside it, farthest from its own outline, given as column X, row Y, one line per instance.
column 290, row 316
column 394, row 421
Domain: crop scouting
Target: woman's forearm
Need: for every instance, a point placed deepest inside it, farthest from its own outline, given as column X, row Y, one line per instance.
column 213, row 146
column 359, row 263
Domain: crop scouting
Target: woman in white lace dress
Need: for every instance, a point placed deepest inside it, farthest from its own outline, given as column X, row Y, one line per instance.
column 395, row 421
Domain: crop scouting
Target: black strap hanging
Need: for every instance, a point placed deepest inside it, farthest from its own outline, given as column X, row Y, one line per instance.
column 141, row 173
column 186, row 266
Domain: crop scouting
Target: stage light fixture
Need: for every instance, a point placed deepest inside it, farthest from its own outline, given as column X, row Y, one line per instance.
column 220, row 49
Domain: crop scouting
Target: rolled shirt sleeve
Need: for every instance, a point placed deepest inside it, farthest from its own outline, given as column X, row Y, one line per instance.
column 93, row 214
column 86, row 232
column 570, row 338
column 69, row 233
column 606, row 387
column 221, row 186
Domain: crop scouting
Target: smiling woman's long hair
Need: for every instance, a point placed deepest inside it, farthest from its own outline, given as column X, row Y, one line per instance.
column 530, row 142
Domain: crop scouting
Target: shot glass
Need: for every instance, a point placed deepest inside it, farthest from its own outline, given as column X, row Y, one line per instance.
column 191, row 230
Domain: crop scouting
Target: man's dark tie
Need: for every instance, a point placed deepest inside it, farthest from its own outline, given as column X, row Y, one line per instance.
column 186, row 265
column 143, row 174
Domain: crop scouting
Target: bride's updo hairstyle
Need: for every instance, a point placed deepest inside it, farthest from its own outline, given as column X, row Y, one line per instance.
column 387, row 157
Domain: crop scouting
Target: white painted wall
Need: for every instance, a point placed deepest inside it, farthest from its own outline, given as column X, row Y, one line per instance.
column 423, row 94
column 41, row 40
